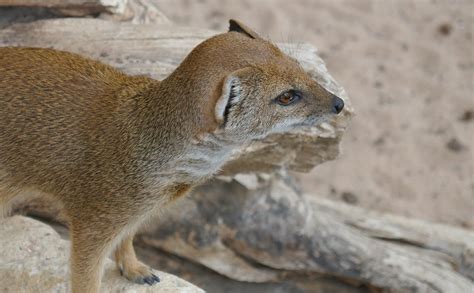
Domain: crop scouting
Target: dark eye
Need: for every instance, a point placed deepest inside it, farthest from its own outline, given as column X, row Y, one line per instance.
column 288, row 98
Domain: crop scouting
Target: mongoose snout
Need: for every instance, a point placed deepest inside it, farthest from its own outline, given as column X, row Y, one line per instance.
column 113, row 149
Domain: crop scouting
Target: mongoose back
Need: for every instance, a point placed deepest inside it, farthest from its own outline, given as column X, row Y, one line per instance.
column 112, row 149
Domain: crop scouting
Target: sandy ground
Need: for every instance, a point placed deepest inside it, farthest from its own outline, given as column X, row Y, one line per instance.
column 408, row 66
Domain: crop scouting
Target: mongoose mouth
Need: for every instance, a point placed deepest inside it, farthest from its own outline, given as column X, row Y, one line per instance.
column 313, row 120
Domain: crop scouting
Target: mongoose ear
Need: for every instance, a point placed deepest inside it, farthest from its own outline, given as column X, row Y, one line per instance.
column 231, row 94
column 237, row 26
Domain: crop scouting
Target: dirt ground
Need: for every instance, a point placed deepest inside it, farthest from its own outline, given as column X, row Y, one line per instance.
column 408, row 67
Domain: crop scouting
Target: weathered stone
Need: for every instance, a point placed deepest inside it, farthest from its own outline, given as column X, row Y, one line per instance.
column 139, row 12
column 156, row 51
column 72, row 7
column 211, row 281
column 35, row 259
column 259, row 228
column 271, row 232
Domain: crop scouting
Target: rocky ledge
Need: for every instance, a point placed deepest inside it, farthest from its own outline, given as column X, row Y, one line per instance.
column 34, row 258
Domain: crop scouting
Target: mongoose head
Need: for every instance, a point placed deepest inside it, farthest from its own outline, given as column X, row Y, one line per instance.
column 256, row 88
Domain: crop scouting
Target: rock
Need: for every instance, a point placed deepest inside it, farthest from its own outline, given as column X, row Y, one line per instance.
column 156, row 51
column 211, row 281
column 455, row 145
column 72, row 7
column 349, row 197
column 139, row 12
column 261, row 229
column 271, row 233
column 34, row 258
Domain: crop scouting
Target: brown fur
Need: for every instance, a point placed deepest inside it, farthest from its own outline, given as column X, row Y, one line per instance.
column 113, row 149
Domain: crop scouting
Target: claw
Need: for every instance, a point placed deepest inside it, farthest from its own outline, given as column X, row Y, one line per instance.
column 150, row 280
column 156, row 278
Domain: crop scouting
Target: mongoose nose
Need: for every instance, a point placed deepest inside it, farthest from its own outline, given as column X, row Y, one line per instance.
column 337, row 104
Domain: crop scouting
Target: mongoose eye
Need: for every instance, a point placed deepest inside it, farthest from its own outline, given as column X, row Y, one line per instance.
column 288, row 98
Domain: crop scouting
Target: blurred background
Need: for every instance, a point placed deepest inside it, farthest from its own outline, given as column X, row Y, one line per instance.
column 408, row 67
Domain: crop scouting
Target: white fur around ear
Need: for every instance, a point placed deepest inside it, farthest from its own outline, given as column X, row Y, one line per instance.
column 231, row 94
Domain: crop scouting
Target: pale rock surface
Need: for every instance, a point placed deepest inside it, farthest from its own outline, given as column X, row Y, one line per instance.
column 263, row 229
column 72, row 7
column 139, row 12
column 34, row 258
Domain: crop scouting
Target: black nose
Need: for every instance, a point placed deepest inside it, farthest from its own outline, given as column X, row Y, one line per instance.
column 337, row 104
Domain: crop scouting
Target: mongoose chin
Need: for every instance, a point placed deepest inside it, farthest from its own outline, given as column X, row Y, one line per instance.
column 113, row 149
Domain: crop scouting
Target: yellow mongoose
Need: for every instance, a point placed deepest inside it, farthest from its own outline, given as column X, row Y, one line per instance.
column 113, row 148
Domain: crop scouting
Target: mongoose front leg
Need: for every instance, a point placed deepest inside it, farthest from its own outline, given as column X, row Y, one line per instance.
column 87, row 259
column 91, row 243
column 130, row 267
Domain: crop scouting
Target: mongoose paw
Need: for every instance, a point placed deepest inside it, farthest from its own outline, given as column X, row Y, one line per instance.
column 139, row 274
column 150, row 280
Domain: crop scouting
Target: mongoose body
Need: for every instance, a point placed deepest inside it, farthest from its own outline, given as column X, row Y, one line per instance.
column 112, row 149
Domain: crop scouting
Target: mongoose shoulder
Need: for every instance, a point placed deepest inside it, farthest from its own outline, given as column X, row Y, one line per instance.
column 113, row 148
